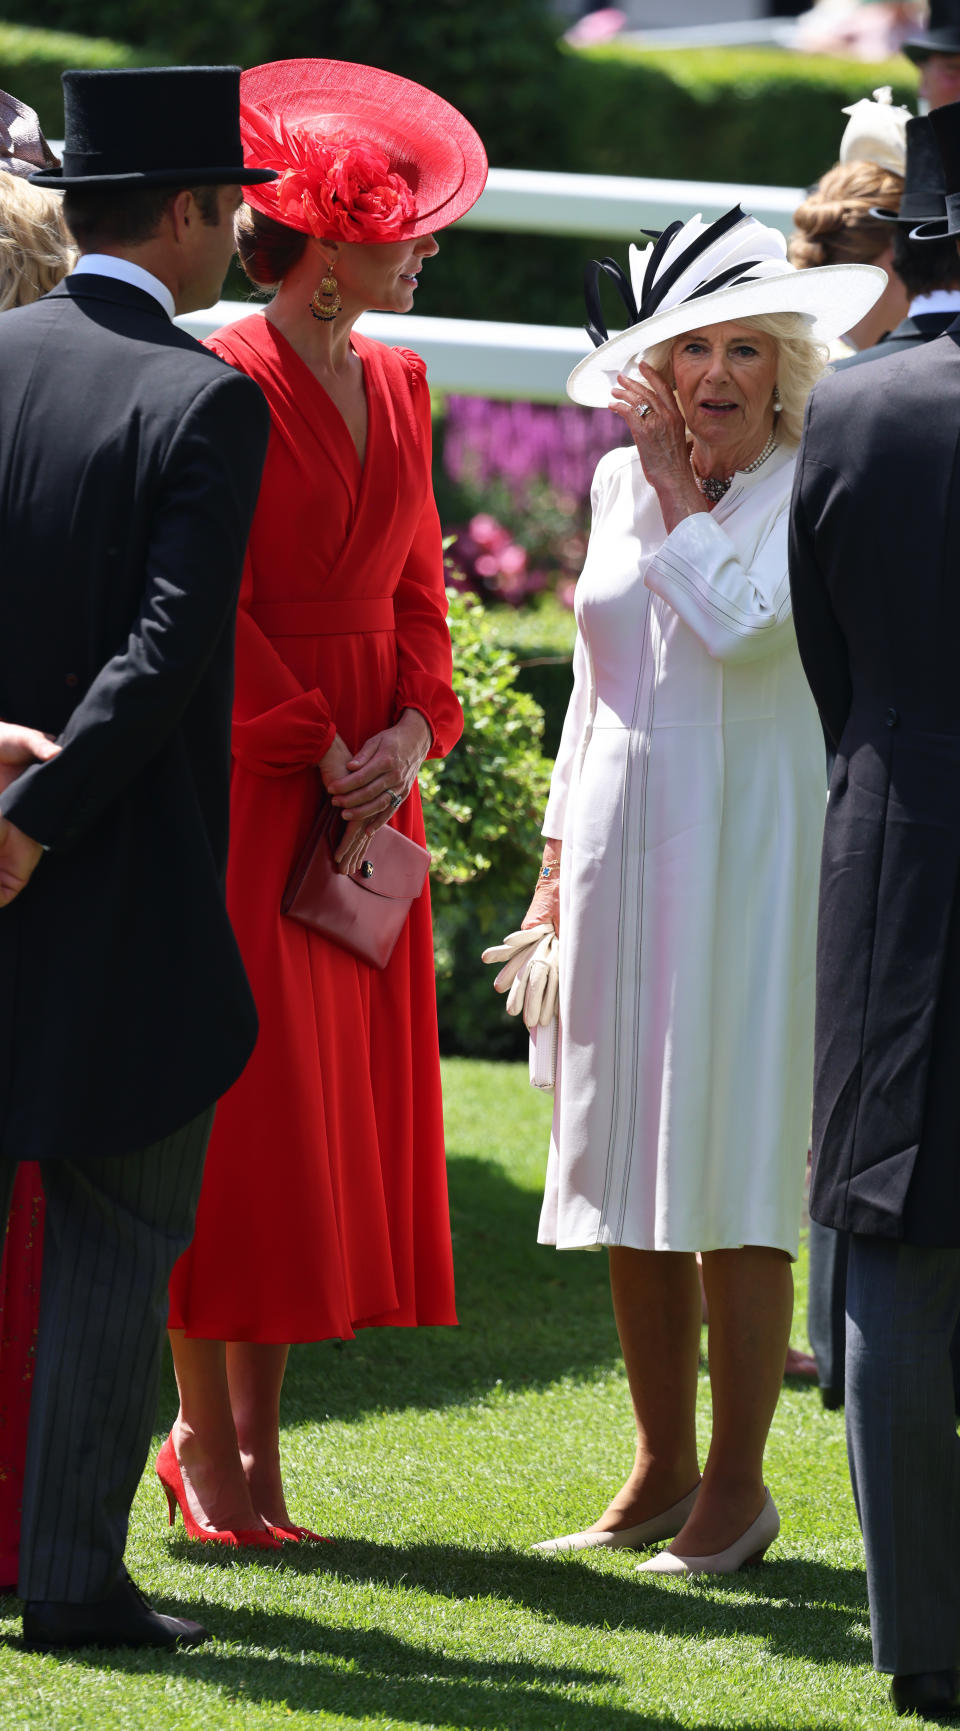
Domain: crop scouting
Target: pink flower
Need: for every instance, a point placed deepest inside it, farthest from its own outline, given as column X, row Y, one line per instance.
column 513, row 560
column 335, row 189
column 487, row 532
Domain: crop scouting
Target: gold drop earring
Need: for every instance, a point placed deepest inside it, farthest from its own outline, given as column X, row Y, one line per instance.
column 325, row 302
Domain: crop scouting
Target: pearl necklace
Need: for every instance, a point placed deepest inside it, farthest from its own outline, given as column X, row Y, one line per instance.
column 714, row 489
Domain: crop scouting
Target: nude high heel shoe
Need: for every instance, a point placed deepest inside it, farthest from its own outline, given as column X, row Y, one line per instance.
column 663, row 1526
column 749, row 1548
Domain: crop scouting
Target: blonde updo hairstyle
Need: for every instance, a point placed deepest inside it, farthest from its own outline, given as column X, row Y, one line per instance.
column 834, row 225
column 35, row 249
column 800, row 363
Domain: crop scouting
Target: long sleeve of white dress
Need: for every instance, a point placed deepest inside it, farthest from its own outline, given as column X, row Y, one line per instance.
column 739, row 614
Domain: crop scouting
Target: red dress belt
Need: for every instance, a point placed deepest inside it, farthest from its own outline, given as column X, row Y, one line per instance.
column 323, row 618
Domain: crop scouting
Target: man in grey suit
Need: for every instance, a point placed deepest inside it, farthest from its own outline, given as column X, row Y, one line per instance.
column 130, row 459
column 875, row 539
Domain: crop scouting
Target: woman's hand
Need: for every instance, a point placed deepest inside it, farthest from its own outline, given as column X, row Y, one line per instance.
column 368, row 786
column 545, row 906
column 650, row 410
column 378, row 777
column 333, row 766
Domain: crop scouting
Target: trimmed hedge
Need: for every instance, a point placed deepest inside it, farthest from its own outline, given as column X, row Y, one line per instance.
column 759, row 116
column 762, row 116
column 31, row 62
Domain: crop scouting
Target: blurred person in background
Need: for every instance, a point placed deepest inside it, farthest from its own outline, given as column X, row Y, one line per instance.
column 680, row 868
column 861, row 29
column 35, row 252
column 936, row 51
column 835, row 224
column 929, row 268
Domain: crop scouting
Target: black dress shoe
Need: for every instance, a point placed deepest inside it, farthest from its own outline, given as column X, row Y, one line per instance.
column 932, row 1694
column 122, row 1619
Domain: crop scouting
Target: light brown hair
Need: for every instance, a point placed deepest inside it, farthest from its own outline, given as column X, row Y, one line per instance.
column 834, row 226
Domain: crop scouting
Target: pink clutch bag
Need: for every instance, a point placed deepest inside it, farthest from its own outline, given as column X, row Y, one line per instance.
column 363, row 911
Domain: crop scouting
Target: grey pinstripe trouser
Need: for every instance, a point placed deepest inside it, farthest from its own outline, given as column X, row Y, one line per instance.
column 903, row 1301
column 114, row 1228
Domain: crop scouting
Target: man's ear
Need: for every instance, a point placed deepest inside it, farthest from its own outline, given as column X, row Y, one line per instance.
column 182, row 213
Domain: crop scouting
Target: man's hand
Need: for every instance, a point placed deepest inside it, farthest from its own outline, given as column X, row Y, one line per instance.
column 19, row 747
column 19, row 858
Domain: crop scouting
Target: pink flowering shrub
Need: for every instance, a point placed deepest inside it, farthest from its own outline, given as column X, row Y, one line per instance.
column 515, row 493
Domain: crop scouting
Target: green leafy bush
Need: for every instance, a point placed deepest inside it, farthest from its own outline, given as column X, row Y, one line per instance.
column 32, row 61
column 762, row 116
column 483, row 806
column 497, row 68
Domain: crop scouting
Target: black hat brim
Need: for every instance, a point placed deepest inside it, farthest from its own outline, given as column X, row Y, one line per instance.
column 235, row 175
column 919, row 48
column 941, row 230
column 894, row 217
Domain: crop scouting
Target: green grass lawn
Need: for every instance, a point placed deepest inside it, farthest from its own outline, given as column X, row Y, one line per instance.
column 435, row 1459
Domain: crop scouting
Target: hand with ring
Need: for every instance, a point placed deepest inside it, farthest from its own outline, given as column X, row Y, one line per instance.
column 651, row 411
column 376, row 780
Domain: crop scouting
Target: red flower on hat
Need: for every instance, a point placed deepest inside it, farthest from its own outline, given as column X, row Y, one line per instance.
column 340, row 189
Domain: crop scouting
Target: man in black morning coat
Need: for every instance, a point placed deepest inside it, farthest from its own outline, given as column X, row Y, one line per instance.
column 875, row 578
column 129, row 465
column 930, row 273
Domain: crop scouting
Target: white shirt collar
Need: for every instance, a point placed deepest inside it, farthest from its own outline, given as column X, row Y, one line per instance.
column 124, row 270
column 940, row 301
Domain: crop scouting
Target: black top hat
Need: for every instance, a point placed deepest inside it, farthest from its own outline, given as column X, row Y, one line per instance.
column 944, row 124
column 924, row 189
column 942, row 35
column 152, row 126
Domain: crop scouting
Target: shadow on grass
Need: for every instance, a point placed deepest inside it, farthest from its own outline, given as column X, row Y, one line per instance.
column 528, row 1315
column 803, row 1609
column 358, row 1674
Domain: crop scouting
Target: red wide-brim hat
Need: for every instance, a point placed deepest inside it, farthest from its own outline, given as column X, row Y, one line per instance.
column 426, row 140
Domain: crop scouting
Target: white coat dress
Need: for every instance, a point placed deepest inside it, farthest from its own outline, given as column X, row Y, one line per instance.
column 689, row 793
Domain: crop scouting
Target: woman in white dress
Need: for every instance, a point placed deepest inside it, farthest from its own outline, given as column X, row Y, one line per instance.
column 680, row 866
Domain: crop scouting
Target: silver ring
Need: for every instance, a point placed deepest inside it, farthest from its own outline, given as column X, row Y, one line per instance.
column 643, row 409
column 395, row 799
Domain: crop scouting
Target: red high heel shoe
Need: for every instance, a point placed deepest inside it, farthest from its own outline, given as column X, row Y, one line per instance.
column 294, row 1535
column 170, row 1476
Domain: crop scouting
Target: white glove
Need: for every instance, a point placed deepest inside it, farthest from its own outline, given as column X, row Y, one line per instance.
column 515, row 951
column 530, row 975
column 543, row 983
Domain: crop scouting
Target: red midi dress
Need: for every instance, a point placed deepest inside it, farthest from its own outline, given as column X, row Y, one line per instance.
column 324, row 1199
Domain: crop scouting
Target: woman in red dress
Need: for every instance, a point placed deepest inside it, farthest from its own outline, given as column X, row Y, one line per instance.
column 324, row 1204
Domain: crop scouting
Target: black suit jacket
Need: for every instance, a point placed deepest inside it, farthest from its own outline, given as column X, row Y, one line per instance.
column 908, row 334
column 875, row 550
column 130, row 459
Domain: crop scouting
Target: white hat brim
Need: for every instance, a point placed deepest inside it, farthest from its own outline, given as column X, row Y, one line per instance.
column 834, row 297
